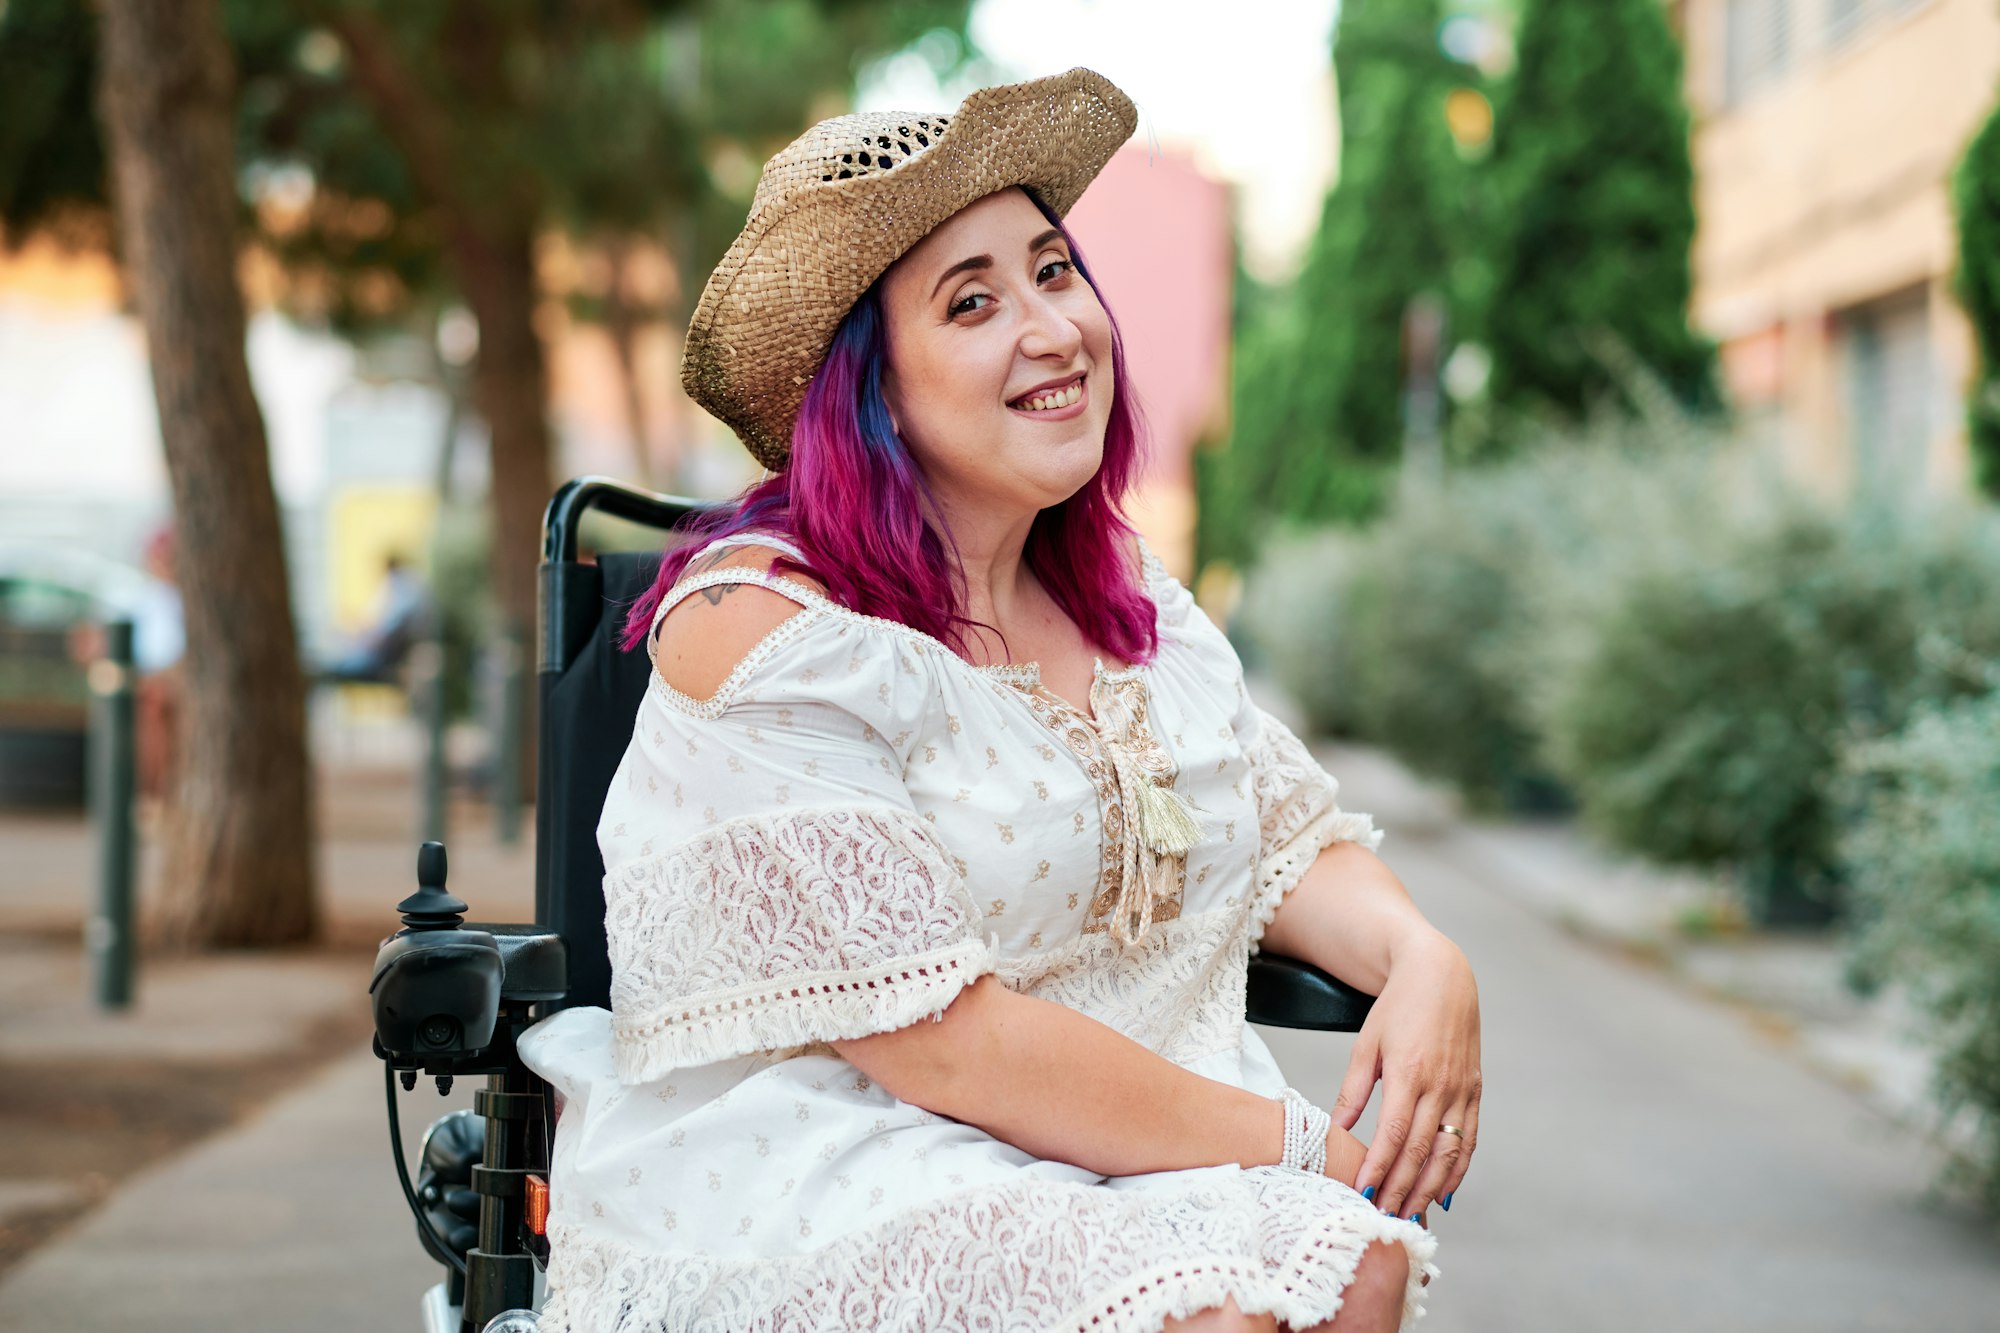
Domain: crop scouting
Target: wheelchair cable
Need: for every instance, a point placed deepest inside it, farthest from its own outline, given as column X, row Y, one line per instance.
column 403, row 1174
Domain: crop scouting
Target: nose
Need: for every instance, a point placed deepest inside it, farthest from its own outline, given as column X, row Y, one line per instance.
column 1047, row 332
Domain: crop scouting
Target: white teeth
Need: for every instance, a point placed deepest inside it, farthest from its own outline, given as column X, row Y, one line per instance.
column 1058, row 399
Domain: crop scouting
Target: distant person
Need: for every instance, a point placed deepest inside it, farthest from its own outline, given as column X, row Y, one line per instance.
column 159, row 643
column 401, row 610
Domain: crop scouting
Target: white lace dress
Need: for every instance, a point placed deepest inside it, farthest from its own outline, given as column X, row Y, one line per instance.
column 856, row 826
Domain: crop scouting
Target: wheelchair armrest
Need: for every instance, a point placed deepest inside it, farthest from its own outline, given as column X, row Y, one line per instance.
column 1286, row 993
column 534, row 962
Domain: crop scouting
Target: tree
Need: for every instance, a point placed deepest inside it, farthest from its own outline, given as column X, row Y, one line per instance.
column 1978, row 207
column 1596, row 212
column 1317, row 413
column 239, row 841
column 440, row 140
column 443, row 138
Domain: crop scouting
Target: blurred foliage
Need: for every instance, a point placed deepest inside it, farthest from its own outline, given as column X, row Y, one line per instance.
column 1317, row 395
column 1427, row 632
column 468, row 618
column 400, row 157
column 1643, row 620
column 1923, row 856
column 370, row 130
column 1594, row 215
column 1292, row 621
column 1977, row 198
column 50, row 153
column 1702, row 717
column 1431, row 595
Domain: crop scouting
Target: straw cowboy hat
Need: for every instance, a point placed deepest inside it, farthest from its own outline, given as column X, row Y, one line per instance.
column 849, row 197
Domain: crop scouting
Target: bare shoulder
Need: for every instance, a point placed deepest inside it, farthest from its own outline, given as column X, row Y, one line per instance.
column 712, row 629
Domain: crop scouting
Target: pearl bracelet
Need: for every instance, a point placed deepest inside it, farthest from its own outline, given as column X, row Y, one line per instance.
column 1306, row 1128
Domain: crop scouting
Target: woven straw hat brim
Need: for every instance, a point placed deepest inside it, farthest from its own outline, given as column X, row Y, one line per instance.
column 814, row 240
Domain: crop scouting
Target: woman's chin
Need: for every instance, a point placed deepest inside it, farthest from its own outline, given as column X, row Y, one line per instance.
column 1061, row 469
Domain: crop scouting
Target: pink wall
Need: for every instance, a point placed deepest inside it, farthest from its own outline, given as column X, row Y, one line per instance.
column 1157, row 238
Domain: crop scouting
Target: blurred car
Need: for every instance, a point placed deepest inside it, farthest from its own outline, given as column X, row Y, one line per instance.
column 50, row 605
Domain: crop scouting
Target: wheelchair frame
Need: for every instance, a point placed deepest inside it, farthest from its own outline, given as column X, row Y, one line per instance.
column 451, row 997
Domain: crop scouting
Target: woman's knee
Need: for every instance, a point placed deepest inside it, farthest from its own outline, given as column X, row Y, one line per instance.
column 1374, row 1298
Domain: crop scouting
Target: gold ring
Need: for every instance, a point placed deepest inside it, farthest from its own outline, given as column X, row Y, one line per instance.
column 1451, row 1129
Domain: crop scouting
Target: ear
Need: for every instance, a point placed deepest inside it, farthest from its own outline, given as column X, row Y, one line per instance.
column 889, row 396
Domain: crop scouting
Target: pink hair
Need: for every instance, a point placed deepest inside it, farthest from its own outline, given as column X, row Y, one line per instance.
column 850, row 500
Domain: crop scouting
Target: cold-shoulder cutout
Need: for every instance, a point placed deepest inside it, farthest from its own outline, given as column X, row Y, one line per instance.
column 706, row 629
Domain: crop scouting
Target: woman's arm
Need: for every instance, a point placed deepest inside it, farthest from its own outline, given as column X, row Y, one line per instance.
column 1065, row 1087
column 1351, row 916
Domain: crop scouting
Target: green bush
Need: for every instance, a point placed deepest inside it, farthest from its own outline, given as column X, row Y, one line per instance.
column 1976, row 196
column 1427, row 608
column 1703, row 720
column 1648, row 623
column 1426, row 633
column 1595, row 187
column 1289, row 624
column 468, row 618
column 1709, row 688
column 1923, row 856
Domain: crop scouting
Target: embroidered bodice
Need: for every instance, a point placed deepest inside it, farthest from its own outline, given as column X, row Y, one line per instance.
column 858, row 823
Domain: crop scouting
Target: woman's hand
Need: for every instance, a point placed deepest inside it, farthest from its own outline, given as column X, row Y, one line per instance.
column 1421, row 1040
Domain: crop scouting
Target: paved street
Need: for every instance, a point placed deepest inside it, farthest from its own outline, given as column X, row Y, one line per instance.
column 1649, row 1161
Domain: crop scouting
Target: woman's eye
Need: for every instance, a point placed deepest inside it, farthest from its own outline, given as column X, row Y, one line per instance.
column 1063, row 264
column 964, row 304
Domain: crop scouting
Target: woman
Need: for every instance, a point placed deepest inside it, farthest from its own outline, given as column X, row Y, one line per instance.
column 947, row 829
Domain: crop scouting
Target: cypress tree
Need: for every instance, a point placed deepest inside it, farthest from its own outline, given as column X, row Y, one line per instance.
column 1317, row 412
column 1978, row 206
column 1595, row 190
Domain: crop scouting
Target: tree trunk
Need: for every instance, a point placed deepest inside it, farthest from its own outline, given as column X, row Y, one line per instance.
column 510, row 384
column 238, row 865
column 621, row 323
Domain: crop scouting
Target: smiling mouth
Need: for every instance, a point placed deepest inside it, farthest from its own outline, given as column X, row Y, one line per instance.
column 1051, row 400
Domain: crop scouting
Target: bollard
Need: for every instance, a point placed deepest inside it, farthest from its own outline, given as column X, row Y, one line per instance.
column 427, row 688
column 513, row 709
column 107, row 938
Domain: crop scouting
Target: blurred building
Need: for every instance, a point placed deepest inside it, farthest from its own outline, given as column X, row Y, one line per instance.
column 1155, row 230
column 1826, row 132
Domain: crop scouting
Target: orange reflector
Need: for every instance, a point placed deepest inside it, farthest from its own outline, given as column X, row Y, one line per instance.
column 538, row 1205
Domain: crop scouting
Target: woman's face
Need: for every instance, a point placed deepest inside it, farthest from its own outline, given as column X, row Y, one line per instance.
column 986, row 318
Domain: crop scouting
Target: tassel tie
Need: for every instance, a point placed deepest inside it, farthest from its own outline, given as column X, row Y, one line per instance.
column 1161, row 827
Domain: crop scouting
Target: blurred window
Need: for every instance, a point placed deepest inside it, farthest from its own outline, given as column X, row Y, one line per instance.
column 1757, row 37
column 1885, row 363
column 1844, row 18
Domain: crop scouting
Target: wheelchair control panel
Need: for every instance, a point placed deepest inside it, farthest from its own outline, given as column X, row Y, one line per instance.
column 450, row 999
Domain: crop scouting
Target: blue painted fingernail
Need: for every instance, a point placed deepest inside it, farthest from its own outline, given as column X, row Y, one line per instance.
column 1416, row 1217
column 1446, row 1201
column 1369, row 1193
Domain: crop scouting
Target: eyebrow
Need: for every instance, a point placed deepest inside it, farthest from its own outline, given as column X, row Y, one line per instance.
column 986, row 261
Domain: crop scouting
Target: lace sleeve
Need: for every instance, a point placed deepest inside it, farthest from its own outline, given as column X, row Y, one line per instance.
column 1298, row 813
column 783, row 930
column 787, row 892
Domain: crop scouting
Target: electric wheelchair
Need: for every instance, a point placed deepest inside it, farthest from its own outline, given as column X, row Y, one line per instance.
column 450, row 997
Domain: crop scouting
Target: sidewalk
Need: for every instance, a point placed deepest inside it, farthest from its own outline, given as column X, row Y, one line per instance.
column 91, row 1102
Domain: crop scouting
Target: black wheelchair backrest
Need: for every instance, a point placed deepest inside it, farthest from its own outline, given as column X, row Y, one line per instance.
column 590, row 693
